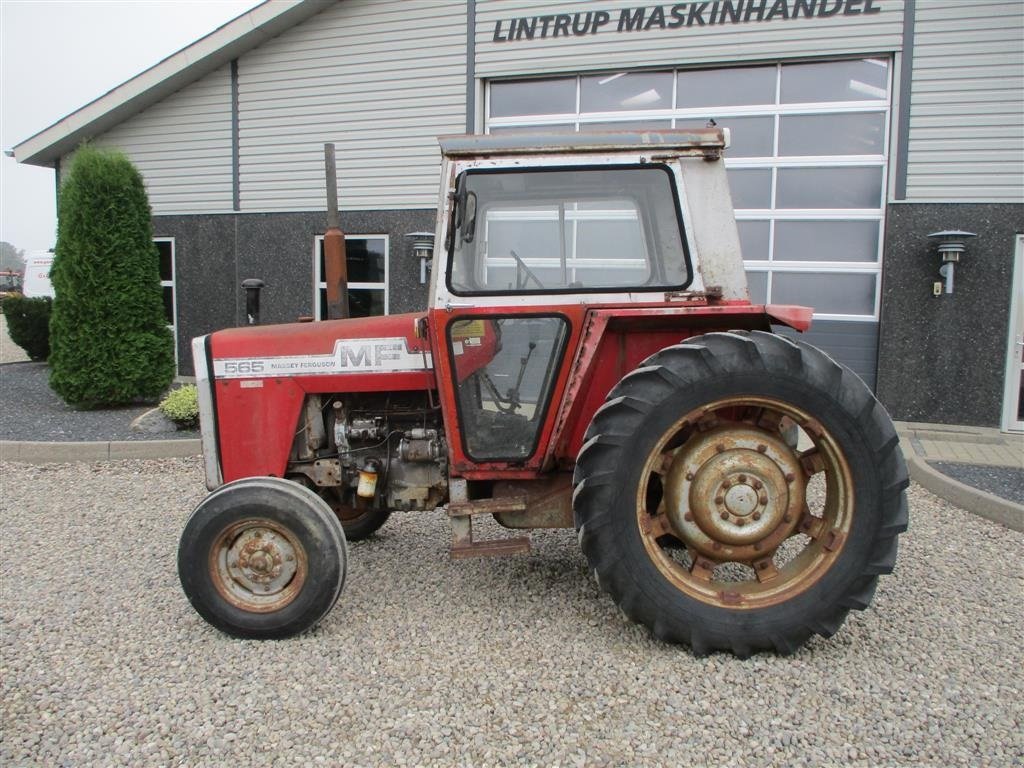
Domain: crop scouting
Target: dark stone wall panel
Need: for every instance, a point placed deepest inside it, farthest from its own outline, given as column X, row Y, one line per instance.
column 942, row 359
column 214, row 253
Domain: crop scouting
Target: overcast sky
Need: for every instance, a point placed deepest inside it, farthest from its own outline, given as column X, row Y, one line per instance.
column 57, row 56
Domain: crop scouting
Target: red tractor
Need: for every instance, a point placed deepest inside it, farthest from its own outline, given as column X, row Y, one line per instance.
column 589, row 358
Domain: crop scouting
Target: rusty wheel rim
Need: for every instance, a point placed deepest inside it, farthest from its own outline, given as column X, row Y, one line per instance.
column 258, row 565
column 745, row 503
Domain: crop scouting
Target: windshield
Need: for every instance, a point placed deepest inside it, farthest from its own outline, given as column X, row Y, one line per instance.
column 599, row 228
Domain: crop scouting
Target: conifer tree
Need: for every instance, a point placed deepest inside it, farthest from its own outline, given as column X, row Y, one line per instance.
column 109, row 340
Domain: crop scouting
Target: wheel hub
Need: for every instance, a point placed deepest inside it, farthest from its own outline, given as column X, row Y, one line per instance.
column 261, row 561
column 735, row 492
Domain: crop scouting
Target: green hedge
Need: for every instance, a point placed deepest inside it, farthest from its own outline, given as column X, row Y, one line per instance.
column 109, row 340
column 28, row 323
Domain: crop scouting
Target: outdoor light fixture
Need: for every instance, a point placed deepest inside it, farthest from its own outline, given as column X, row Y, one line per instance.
column 422, row 249
column 952, row 243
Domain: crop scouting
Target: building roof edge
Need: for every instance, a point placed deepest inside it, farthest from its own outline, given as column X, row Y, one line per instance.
column 173, row 73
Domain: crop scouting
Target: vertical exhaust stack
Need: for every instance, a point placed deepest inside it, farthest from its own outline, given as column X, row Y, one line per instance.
column 335, row 263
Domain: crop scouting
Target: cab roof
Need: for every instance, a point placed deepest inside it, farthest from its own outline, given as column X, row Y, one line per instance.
column 694, row 139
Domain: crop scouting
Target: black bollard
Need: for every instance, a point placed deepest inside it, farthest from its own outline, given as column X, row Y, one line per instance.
column 252, row 286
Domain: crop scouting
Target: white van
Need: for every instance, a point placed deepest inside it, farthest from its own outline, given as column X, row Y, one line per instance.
column 37, row 274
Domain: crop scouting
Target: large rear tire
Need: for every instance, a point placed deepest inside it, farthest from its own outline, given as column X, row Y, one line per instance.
column 740, row 492
column 262, row 558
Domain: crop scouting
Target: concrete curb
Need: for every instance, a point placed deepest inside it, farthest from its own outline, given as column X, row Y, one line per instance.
column 972, row 500
column 49, row 453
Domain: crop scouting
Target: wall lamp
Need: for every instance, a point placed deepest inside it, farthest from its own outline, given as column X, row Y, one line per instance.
column 423, row 249
column 952, row 244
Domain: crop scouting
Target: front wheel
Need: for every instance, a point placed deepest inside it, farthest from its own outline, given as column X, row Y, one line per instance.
column 262, row 558
column 740, row 492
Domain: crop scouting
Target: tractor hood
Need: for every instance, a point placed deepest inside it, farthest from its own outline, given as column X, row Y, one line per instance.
column 383, row 344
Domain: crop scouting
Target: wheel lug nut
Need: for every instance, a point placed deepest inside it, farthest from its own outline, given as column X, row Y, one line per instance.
column 688, row 517
column 758, row 485
column 742, row 478
column 757, row 515
column 689, row 475
column 725, row 515
column 764, row 498
column 762, row 448
column 720, row 447
column 719, row 499
column 740, row 522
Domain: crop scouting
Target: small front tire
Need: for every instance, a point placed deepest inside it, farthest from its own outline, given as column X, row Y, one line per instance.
column 262, row 558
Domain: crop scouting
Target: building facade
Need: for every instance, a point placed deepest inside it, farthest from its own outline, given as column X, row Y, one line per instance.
column 859, row 127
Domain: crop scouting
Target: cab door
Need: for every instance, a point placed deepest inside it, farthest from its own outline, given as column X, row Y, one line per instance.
column 501, row 373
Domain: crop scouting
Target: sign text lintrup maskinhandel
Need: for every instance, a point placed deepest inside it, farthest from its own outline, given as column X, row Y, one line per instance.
column 699, row 14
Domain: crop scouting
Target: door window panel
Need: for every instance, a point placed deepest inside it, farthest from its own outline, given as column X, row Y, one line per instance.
column 757, row 284
column 626, row 91
column 726, row 87
column 535, row 97
column 505, row 368
column 853, row 80
column 843, row 294
column 826, row 241
column 855, row 133
column 751, row 188
column 829, row 188
column 754, row 239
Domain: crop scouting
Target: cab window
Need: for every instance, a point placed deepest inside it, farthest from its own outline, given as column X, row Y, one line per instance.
column 594, row 229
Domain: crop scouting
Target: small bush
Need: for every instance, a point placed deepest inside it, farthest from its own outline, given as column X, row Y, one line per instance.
column 28, row 323
column 182, row 407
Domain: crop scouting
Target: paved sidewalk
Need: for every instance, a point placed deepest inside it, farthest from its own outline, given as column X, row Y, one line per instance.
column 965, row 445
column 979, row 469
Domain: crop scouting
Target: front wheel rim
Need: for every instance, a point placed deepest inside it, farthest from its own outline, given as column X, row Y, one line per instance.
column 258, row 565
column 733, row 514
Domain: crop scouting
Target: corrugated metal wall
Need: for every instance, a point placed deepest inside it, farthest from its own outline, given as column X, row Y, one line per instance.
column 380, row 78
column 182, row 146
column 967, row 109
column 690, row 44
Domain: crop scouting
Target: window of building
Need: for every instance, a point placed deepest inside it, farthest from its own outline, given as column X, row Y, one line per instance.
column 807, row 164
column 165, row 248
column 367, row 259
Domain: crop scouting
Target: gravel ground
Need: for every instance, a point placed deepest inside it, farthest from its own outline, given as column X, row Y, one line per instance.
column 41, row 415
column 1006, row 482
column 481, row 662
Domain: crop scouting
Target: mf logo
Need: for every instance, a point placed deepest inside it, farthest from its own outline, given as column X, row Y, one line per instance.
column 369, row 353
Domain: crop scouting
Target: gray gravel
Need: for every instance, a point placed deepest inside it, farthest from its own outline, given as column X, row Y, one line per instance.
column 40, row 415
column 487, row 662
column 1005, row 482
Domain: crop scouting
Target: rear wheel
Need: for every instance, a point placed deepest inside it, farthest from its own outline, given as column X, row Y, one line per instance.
column 262, row 558
column 740, row 492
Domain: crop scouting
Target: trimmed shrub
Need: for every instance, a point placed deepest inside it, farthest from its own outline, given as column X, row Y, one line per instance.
column 182, row 406
column 109, row 340
column 28, row 323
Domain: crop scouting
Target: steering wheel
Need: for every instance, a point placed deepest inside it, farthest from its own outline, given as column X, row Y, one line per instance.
column 526, row 269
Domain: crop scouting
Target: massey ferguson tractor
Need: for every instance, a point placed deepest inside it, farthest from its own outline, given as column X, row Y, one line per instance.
column 589, row 358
